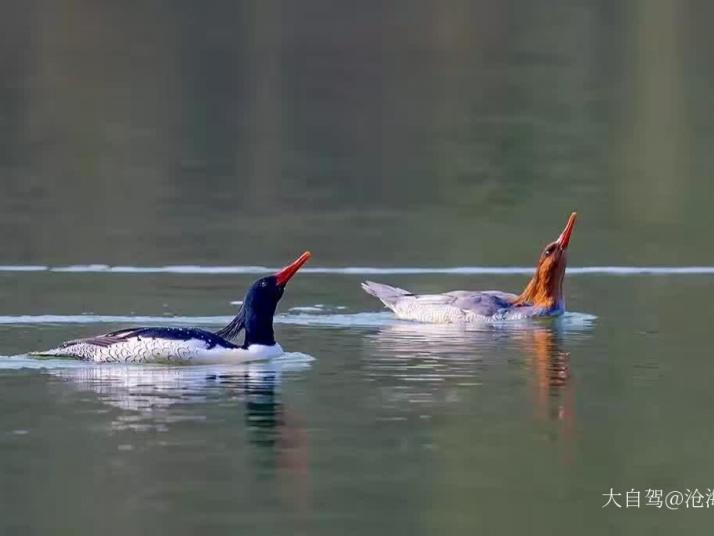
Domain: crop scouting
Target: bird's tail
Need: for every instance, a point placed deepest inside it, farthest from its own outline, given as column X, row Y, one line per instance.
column 53, row 352
column 388, row 295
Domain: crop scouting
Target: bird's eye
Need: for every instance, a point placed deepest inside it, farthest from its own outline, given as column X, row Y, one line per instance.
column 263, row 284
column 549, row 250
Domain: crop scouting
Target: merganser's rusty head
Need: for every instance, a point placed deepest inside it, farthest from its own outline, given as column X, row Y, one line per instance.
column 545, row 289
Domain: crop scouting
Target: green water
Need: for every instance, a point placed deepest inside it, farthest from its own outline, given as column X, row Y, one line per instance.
column 401, row 134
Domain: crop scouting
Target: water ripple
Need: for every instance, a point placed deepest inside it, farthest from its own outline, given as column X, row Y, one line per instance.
column 361, row 270
column 572, row 320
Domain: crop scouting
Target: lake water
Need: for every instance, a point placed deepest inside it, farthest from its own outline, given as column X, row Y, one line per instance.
column 154, row 158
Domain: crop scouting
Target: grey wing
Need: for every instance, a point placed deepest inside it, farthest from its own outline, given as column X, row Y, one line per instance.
column 485, row 303
column 455, row 306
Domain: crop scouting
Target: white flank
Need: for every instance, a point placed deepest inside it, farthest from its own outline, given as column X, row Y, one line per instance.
column 150, row 349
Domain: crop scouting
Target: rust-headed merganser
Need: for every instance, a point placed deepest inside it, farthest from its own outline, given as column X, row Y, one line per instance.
column 543, row 296
column 145, row 344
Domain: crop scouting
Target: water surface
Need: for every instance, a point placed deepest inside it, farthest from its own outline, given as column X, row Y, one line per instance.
column 156, row 157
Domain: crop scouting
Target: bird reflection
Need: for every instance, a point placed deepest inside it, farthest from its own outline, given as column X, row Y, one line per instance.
column 155, row 397
column 280, row 437
column 263, row 409
column 457, row 355
column 551, row 369
column 271, row 426
column 161, row 394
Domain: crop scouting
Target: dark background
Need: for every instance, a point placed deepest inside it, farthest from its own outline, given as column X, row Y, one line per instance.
column 380, row 133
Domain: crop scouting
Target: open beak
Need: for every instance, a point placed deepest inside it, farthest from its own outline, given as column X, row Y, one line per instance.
column 284, row 275
column 564, row 237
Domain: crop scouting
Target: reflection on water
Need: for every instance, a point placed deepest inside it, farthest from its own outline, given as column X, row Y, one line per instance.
column 550, row 365
column 155, row 394
column 279, row 435
column 154, row 398
column 428, row 358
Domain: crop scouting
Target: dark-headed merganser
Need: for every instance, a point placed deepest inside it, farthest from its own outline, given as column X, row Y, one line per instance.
column 543, row 296
column 146, row 344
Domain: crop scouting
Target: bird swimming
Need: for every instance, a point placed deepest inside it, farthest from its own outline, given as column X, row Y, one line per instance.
column 542, row 297
column 151, row 344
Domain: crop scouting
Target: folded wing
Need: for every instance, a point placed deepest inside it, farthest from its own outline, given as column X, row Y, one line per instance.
column 455, row 306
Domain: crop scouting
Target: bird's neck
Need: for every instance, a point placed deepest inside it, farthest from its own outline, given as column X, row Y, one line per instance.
column 259, row 327
column 257, row 324
column 543, row 290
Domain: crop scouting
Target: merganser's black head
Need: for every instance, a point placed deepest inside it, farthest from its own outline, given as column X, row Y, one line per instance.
column 259, row 305
column 545, row 289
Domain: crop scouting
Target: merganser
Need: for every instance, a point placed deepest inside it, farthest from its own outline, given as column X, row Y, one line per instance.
column 543, row 296
column 145, row 344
